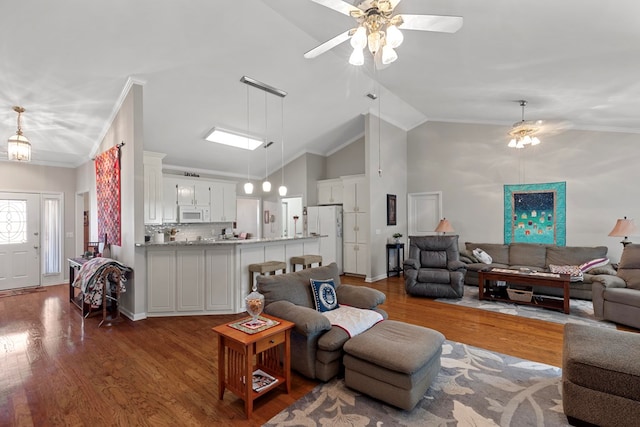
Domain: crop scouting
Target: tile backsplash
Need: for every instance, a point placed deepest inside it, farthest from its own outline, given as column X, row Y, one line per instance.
column 189, row 231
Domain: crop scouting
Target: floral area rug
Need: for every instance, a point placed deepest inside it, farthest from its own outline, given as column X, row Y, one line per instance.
column 475, row 387
column 581, row 311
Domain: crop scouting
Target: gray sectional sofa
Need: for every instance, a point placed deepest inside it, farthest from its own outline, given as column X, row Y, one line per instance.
column 537, row 257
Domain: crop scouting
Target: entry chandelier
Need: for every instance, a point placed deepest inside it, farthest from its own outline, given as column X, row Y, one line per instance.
column 378, row 31
column 524, row 132
column 18, row 146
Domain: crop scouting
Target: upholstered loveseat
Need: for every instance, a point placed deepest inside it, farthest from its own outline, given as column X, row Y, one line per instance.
column 537, row 257
column 316, row 346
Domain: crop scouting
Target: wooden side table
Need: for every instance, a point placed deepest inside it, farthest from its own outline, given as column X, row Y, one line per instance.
column 240, row 354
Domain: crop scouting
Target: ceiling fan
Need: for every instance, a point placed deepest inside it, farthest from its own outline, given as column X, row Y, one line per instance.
column 379, row 29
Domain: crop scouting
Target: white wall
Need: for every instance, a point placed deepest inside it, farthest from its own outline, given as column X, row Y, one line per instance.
column 126, row 127
column 391, row 149
column 348, row 160
column 471, row 163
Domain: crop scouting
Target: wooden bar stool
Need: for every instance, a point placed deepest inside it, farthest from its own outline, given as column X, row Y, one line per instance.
column 305, row 261
column 268, row 267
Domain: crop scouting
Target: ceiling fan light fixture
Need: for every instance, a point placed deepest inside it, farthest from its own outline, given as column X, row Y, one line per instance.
column 374, row 41
column 359, row 38
column 524, row 132
column 394, row 36
column 388, row 55
column 357, row 57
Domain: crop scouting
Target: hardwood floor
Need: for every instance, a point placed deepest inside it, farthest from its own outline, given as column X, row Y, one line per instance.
column 60, row 370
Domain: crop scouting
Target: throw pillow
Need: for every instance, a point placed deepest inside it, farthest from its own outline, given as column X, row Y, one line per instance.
column 594, row 263
column 482, row 256
column 324, row 295
column 572, row 270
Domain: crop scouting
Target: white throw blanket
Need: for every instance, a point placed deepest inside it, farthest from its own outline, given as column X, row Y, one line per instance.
column 353, row 320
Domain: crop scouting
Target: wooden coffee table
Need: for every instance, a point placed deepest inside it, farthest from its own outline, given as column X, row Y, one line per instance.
column 551, row 280
column 241, row 353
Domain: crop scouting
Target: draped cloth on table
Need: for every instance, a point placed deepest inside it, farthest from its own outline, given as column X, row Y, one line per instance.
column 108, row 194
column 91, row 280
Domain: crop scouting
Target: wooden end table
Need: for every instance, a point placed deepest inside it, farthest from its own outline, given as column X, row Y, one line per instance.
column 533, row 278
column 241, row 353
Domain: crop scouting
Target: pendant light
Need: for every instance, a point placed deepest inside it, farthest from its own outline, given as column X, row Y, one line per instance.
column 266, row 185
column 283, row 189
column 18, row 146
column 248, row 186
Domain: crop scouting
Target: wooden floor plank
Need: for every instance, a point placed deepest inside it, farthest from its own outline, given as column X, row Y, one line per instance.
column 58, row 369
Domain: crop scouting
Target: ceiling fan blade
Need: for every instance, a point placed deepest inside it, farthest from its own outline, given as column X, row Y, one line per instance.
column 339, row 6
column 439, row 23
column 329, row 44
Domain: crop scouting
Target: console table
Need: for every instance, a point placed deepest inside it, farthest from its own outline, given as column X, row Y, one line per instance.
column 398, row 248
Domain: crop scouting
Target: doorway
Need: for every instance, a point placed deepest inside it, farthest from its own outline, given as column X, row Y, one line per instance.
column 19, row 240
column 291, row 208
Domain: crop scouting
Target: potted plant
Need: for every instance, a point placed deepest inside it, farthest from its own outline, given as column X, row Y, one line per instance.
column 397, row 237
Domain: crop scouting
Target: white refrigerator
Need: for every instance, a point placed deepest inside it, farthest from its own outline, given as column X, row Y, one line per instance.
column 327, row 221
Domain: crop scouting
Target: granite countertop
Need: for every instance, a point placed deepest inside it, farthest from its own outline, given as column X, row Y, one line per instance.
column 234, row 241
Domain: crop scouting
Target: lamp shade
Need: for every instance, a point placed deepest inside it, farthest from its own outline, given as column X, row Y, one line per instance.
column 444, row 226
column 624, row 227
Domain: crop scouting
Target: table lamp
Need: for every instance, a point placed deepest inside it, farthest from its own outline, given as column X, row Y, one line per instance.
column 623, row 228
column 444, row 226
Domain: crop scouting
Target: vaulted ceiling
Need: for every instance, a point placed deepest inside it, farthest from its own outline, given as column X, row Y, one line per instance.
column 67, row 62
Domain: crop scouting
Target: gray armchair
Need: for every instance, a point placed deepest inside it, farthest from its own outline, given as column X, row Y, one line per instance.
column 316, row 345
column 617, row 298
column 433, row 268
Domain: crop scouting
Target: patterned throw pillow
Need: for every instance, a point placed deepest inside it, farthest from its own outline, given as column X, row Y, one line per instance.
column 324, row 294
column 572, row 270
column 594, row 263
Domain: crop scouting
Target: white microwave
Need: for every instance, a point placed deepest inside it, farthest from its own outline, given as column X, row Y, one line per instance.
column 198, row 213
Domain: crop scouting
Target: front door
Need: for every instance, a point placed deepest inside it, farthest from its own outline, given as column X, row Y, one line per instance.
column 19, row 240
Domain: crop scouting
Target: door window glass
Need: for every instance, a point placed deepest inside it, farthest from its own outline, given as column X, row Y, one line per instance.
column 13, row 221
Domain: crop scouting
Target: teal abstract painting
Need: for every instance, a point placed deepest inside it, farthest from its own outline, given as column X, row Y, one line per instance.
column 535, row 213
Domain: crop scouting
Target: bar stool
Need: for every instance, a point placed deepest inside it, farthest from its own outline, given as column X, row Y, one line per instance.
column 268, row 267
column 305, row 261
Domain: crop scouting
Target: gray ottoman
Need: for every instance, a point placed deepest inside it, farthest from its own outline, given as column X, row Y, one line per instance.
column 393, row 361
column 601, row 376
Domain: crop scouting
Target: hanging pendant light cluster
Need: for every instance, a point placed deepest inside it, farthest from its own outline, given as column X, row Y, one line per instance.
column 524, row 132
column 378, row 31
column 18, row 146
column 266, row 185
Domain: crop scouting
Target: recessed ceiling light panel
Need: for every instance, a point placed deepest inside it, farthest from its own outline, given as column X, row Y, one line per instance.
column 234, row 139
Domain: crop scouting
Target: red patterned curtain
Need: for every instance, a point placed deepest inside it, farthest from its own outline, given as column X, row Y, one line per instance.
column 108, row 191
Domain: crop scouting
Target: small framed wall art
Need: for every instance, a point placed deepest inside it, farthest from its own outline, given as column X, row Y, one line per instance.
column 391, row 209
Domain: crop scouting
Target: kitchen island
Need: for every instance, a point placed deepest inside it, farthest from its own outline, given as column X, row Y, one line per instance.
column 211, row 276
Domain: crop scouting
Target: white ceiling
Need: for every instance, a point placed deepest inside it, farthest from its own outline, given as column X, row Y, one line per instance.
column 67, row 62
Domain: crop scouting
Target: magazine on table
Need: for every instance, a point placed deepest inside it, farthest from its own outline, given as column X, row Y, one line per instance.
column 262, row 380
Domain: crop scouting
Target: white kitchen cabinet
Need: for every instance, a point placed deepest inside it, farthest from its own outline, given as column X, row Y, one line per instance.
column 202, row 193
column 329, row 192
column 161, row 281
column 223, row 201
column 355, row 258
column 355, row 227
column 219, row 279
column 153, row 190
column 170, row 199
column 355, row 194
column 190, row 280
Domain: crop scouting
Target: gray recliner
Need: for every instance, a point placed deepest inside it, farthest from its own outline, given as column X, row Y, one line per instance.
column 617, row 298
column 433, row 268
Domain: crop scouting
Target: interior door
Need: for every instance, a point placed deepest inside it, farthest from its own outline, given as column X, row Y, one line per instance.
column 425, row 211
column 19, row 240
